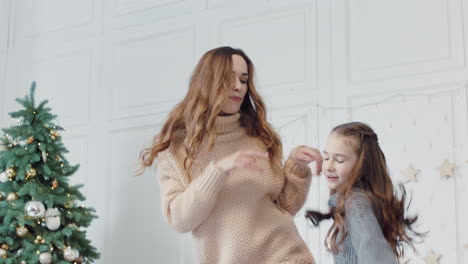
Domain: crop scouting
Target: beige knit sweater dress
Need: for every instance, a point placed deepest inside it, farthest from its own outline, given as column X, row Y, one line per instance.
column 239, row 217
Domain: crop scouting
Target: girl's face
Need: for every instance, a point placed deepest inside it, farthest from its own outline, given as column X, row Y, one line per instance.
column 339, row 159
column 236, row 95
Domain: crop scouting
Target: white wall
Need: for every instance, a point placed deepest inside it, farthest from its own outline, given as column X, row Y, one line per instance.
column 113, row 69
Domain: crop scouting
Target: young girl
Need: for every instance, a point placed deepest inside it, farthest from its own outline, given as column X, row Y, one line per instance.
column 220, row 170
column 369, row 224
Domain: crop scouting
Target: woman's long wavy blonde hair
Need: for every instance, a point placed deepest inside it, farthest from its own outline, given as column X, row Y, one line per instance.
column 195, row 115
column 370, row 176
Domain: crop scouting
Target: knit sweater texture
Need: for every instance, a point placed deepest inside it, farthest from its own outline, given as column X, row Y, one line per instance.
column 239, row 217
column 365, row 242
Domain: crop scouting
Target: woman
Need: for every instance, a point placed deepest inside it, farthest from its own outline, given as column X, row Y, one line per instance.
column 220, row 169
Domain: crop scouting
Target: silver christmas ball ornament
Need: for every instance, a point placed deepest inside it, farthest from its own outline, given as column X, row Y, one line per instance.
column 45, row 258
column 34, row 209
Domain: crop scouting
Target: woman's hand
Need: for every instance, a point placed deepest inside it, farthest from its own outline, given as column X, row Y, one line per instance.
column 304, row 155
column 241, row 160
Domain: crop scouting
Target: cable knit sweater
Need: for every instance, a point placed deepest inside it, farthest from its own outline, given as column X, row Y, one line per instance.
column 239, row 217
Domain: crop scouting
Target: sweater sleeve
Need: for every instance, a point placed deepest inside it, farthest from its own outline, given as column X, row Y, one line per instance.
column 366, row 235
column 296, row 186
column 186, row 206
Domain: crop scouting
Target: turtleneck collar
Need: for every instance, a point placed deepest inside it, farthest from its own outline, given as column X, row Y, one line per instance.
column 227, row 123
column 228, row 128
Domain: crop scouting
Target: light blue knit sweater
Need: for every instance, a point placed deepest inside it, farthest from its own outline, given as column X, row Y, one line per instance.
column 365, row 242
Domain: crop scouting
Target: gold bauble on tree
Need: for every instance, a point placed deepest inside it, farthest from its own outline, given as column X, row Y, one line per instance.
column 39, row 240
column 21, row 231
column 12, row 196
column 11, row 173
column 31, row 173
column 30, row 139
column 54, row 134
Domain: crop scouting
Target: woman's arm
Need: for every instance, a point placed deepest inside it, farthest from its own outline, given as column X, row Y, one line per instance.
column 296, row 187
column 187, row 206
column 365, row 232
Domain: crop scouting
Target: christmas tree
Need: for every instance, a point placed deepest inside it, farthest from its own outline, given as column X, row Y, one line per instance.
column 41, row 219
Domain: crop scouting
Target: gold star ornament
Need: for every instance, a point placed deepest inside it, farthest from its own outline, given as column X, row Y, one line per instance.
column 446, row 169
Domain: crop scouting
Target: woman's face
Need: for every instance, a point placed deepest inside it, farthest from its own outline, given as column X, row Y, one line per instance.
column 236, row 95
column 339, row 159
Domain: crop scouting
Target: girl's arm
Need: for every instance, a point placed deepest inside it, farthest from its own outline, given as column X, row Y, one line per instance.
column 185, row 206
column 365, row 232
column 298, row 177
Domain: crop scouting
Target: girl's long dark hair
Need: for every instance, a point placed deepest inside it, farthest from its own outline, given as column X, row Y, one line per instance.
column 370, row 176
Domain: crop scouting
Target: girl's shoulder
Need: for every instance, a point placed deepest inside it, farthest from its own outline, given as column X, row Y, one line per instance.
column 358, row 200
column 356, row 197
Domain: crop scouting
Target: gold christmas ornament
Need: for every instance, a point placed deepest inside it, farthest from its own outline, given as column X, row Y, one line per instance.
column 12, row 196
column 57, row 158
column 39, row 240
column 54, row 134
column 30, row 139
column 21, row 231
column 31, row 173
column 11, row 173
column 5, row 246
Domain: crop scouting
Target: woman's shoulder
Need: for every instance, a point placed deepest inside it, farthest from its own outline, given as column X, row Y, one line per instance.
column 175, row 147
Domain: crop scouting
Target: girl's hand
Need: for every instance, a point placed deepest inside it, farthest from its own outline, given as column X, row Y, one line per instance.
column 241, row 160
column 304, row 155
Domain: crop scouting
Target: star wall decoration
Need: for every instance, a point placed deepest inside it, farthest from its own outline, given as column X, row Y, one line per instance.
column 446, row 169
column 409, row 174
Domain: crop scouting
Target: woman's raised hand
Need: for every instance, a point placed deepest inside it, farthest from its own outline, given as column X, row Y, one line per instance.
column 242, row 160
column 304, row 155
